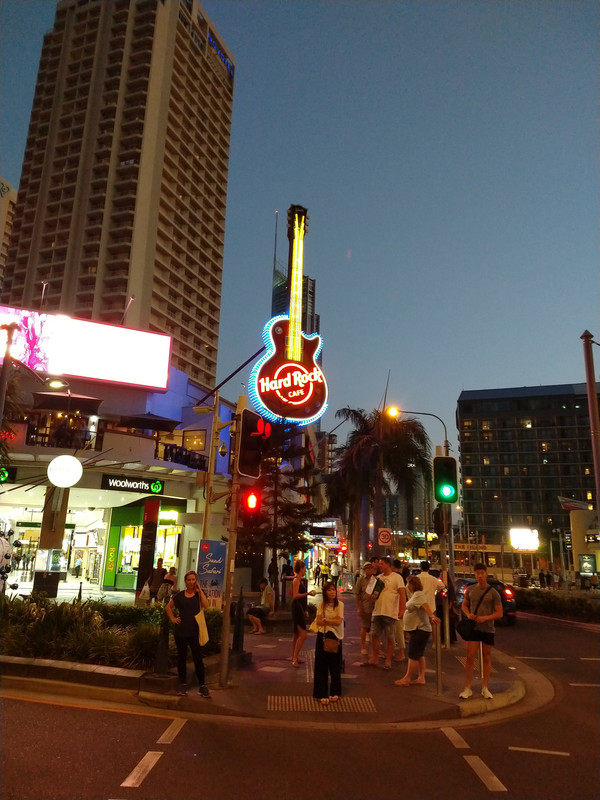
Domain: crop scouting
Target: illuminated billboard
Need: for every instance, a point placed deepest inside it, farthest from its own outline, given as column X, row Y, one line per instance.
column 524, row 540
column 60, row 345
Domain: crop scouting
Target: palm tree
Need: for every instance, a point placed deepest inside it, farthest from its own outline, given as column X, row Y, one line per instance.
column 381, row 454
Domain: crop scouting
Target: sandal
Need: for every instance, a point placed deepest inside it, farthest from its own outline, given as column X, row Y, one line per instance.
column 334, row 698
column 324, row 701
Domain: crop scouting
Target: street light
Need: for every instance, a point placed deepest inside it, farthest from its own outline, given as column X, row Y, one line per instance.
column 394, row 412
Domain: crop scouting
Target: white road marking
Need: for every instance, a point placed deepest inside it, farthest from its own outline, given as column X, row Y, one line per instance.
column 484, row 773
column 543, row 752
column 456, row 739
column 541, row 658
column 582, row 658
column 171, row 732
column 135, row 778
column 592, row 685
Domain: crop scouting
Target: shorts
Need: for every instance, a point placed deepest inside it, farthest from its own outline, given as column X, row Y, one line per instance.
column 484, row 638
column 257, row 611
column 417, row 642
column 383, row 627
column 365, row 621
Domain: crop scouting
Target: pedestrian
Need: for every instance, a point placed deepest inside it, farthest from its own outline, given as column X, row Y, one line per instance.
column 317, row 573
column 334, row 571
column 364, row 604
column 542, row 579
column 483, row 604
column 390, row 603
column 324, row 572
column 556, row 580
column 156, row 578
column 594, row 582
column 272, row 571
column 329, row 622
column 168, row 586
column 264, row 608
column 418, row 619
column 188, row 604
column 399, row 638
column 78, row 562
column 431, row 584
column 300, row 594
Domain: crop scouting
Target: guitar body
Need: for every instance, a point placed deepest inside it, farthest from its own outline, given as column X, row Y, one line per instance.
column 285, row 389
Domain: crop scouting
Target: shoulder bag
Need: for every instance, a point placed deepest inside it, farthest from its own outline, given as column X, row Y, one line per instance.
column 466, row 626
column 331, row 644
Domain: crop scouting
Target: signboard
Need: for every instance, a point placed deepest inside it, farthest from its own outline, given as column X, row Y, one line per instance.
column 60, row 345
column 211, row 570
column 287, row 383
column 123, row 483
column 384, row 537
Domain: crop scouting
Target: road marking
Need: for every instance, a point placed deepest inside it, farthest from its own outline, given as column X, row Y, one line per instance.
column 543, row 752
column 484, row 773
column 135, row 778
column 583, row 658
column 589, row 685
column 541, row 658
column 456, row 739
column 171, row 732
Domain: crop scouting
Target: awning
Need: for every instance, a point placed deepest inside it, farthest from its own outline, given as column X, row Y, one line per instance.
column 150, row 422
column 62, row 401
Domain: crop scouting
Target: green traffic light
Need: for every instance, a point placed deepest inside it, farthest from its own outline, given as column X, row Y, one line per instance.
column 445, row 486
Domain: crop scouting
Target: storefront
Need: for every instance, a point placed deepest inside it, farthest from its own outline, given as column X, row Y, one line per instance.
column 125, row 538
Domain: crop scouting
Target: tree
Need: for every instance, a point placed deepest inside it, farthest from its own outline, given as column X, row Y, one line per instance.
column 12, row 412
column 381, row 454
column 288, row 484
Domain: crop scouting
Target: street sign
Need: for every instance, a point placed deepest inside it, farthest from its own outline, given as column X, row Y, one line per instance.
column 384, row 537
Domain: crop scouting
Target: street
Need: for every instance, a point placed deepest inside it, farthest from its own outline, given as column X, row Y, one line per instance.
column 51, row 749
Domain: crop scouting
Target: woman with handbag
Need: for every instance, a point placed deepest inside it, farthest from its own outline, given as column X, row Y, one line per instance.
column 188, row 603
column 418, row 619
column 329, row 624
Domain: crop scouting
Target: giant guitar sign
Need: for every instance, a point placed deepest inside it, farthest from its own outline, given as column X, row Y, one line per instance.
column 287, row 384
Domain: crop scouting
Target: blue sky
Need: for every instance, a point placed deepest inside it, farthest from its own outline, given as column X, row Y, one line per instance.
column 447, row 153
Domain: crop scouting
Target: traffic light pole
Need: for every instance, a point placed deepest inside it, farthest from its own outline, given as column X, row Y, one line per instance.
column 231, row 548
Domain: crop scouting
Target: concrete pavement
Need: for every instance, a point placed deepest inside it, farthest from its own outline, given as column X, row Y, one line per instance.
column 270, row 689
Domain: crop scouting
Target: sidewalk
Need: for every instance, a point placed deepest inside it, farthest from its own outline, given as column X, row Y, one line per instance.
column 269, row 688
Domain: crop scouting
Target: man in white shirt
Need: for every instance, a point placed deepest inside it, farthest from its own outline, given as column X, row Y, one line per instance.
column 431, row 585
column 389, row 606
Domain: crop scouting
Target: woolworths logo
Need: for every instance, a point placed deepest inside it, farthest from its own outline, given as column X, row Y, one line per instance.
column 122, row 483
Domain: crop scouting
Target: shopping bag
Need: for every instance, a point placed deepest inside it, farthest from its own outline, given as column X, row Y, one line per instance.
column 145, row 593
column 202, row 629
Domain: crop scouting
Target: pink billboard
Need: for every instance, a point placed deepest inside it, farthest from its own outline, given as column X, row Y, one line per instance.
column 60, row 345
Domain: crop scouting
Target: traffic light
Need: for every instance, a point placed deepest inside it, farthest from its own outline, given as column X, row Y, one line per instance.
column 445, row 482
column 8, row 474
column 254, row 433
column 251, row 502
column 344, row 546
column 438, row 520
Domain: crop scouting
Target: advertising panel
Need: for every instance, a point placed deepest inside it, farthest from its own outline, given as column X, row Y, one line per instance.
column 211, row 571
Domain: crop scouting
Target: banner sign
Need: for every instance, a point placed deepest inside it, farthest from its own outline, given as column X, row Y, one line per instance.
column 211, row 571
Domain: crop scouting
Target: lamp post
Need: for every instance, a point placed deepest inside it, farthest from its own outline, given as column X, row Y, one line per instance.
column 446, row 538
column 215, row 443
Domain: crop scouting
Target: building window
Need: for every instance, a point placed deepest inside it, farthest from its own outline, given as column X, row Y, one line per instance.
column 486, row 461
column 194, row 440
column 485, row 425
column 545, row 447
column 526, row 423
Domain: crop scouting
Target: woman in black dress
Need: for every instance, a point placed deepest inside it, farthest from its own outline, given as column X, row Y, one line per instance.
column 299, row 610
column 188, row 604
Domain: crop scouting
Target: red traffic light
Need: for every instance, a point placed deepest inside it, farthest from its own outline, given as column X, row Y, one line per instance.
column 251, row 502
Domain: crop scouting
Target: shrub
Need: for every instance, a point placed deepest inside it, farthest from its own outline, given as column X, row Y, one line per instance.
column 558, row 604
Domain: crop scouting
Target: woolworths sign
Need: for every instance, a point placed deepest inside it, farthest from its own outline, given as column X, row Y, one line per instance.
column 123, row 483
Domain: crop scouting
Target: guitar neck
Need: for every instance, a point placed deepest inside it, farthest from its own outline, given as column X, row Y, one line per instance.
column 297, row 228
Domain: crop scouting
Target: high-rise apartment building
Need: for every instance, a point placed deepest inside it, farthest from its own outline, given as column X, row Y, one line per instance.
column 120, row 215
column 8, row 199
column 520, row 450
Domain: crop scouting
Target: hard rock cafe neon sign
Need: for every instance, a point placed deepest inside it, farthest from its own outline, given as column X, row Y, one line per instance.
column 287, row 383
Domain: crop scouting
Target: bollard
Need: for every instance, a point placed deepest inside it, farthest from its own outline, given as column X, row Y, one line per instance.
column 438, row 658
column 80, row 591
column 238, row 625
column 161, row 662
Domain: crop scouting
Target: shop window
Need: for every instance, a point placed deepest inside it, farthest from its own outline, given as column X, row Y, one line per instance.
column 194, row 440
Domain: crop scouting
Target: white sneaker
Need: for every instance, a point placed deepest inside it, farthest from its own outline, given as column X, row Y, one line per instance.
column 485, row 692
column 465, row 694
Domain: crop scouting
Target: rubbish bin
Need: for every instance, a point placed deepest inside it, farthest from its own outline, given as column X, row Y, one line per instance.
column 523, row 582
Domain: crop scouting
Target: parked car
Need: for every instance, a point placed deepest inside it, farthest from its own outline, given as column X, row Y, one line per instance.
column 509, row 605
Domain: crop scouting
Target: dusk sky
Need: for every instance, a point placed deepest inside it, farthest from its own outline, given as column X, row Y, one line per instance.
column 447, row 153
